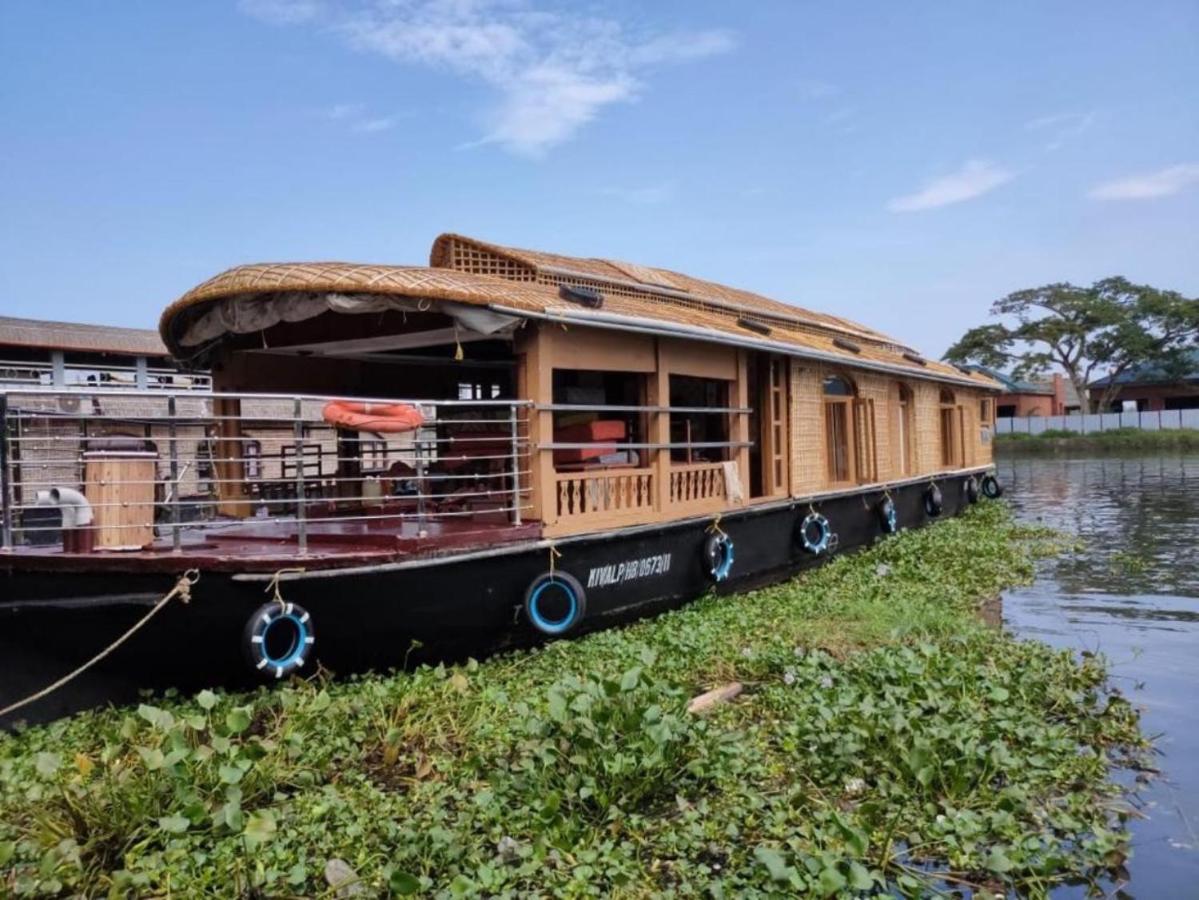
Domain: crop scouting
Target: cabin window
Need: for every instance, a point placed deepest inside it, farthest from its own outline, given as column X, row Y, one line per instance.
column 695, row 429
column 475, row 390
column 950, row 436
column 984, row 412
column 905, row 429
column 838, row 418
column 595, row 436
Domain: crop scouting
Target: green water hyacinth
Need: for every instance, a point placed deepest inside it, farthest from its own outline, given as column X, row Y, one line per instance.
column 886, row 741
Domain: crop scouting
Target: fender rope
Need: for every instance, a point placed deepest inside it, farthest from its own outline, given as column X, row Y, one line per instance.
column 715, row 528
column 274, row 582
column 554, row 554
column 182, row 590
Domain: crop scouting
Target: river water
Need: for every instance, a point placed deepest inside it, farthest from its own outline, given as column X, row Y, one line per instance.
column 1131, row 593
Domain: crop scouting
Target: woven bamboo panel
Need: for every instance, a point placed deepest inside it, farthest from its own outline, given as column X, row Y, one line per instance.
column 808, row 457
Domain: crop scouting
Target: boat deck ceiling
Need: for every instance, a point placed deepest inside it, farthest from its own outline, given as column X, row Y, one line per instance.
column 267, row 546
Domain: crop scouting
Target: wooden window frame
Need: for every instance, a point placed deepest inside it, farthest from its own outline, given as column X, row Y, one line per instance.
column 844, row 406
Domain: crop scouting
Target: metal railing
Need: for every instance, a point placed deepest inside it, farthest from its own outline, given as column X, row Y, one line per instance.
column 116, row 469
column 31, row 374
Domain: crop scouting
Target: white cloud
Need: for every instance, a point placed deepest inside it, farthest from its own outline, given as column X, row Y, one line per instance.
column 359, row 118
column 552, row 70
column 370, row 126
column 973, row 179
column 1061, row 127
column 1148, row 185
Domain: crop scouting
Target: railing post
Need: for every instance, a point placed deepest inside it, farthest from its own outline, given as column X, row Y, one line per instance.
column 301, row 512
column 173, row 433
column 420, row 491
column 5, row 483
column 513, row 423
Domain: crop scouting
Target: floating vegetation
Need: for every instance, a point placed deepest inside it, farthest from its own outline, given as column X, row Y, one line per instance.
column 884, row 741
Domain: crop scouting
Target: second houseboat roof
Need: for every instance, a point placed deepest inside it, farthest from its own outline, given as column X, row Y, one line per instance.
column 529, row 284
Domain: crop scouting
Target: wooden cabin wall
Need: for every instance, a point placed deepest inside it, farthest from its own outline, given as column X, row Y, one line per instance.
column 547, row 347
column 809, row 464
column 877, row 400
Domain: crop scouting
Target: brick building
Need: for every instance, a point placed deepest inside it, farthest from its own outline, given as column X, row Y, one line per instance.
column 1152, row 389
column 1055, row 397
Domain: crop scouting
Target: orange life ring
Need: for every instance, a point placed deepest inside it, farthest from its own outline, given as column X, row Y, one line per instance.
column 386, row 418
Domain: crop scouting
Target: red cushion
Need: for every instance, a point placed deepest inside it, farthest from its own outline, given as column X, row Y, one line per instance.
column 599, row 430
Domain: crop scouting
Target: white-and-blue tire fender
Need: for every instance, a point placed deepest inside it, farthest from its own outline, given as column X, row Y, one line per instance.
column 888, row 516
column 278, row 639
column 555, row 603
column 718, row 556
column 814, row 543
column 991, row 487
column 933, row 501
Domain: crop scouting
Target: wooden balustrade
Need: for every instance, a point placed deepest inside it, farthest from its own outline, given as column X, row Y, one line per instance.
column 698, row 485
column 605, row 496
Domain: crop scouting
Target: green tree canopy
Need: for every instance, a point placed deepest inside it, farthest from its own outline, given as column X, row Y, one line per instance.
column 1086, row 332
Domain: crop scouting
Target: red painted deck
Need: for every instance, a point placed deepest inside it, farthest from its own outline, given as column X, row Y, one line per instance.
column 252, row 545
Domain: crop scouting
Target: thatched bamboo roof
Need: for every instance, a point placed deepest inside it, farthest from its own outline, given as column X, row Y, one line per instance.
column 527, row 283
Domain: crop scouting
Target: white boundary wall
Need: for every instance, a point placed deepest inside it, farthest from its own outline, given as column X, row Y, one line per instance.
column 1146, row 421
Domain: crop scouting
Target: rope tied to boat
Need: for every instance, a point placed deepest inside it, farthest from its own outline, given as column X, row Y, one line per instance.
column 273, row 584
column 555, row 553
column 715, row 528
column 182, row 590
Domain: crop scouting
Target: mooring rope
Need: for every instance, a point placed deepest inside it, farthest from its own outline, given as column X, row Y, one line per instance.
column 182, row 590
column 273, row 584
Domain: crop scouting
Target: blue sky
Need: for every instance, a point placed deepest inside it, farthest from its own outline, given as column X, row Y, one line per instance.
column 899, row 164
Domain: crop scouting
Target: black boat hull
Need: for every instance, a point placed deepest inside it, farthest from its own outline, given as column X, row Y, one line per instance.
column 384, row 616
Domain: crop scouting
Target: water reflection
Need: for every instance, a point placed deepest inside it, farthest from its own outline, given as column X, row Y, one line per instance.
column 1132, row 592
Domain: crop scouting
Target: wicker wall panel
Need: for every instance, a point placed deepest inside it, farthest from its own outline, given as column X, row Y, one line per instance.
column 808, row 463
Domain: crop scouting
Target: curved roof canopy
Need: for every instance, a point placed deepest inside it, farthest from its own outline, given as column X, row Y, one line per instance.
column 528, row 284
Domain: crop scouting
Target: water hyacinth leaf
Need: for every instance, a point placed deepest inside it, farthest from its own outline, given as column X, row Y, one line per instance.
column 159, row 718
column 998, row 861
column 230, row 774
column 403, row 884
column 775, row 864
column 629, row 680
column 830, row 881
column 174, row 824
column 152, row 757
column 237, row 719
column 47, row 763
column 206, row 699
column 260, row 827
column 860, row 878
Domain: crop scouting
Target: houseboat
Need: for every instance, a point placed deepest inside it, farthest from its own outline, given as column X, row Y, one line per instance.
column 501, row 447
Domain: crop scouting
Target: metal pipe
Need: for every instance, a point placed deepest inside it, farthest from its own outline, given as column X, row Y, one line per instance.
column 301, row 514
column 176, row 535
column 5, row 486
column 512, row 421
column 76, row 510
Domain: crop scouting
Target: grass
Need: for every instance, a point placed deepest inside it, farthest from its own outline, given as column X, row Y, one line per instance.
column 886, row 741
column 1113, row 440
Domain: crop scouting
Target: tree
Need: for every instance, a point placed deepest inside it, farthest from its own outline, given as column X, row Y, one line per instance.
column 1088, row 332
